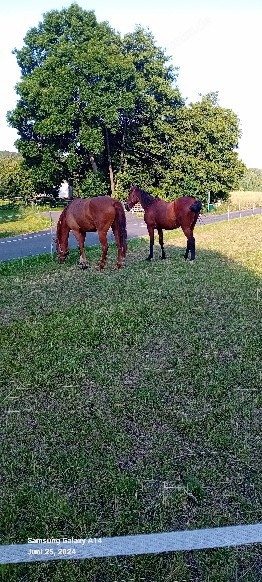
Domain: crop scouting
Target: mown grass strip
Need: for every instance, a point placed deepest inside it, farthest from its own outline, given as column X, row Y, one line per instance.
column 20, row 219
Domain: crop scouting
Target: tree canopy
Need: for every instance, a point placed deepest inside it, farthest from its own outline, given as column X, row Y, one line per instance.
column 102, row 111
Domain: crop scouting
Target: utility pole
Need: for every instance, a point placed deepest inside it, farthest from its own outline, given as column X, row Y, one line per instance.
column 70, row 191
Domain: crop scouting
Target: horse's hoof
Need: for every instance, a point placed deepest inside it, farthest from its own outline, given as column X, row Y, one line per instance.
column 148, row 259
column 163, row 258
column 82, row 266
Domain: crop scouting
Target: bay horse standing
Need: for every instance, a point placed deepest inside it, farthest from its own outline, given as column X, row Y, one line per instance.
column 84, row 215
column 159, row 215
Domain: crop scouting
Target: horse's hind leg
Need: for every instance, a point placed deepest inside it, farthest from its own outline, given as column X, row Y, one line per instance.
column 80, row 237
column 161, row 242
column 190, row 243
column 103, row 241
column 119, row 248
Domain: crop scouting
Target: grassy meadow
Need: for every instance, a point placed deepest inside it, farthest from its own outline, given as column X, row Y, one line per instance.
column 130, row 403
column 20, row 219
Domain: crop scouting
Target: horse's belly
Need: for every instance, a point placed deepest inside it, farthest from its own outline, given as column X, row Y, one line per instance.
column 86, row 225
column 167, row 225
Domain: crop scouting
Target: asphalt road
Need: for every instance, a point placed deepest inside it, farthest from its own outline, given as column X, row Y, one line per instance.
column 38, row 243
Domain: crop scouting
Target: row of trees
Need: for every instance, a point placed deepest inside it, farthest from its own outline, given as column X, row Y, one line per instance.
column 251, row 180
column 16, row 180
column 102, row 112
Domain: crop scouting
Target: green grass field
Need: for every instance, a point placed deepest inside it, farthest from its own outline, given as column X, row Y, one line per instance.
column 18, row 219
column 130, row 403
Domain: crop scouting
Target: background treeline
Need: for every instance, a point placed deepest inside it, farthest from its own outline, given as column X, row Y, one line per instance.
column 251, row 180
column 104, row 111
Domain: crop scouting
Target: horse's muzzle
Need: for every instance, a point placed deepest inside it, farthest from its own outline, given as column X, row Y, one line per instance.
column 62, row 257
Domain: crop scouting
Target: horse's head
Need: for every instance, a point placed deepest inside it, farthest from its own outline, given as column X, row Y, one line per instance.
column 62, row 253
column 133, row 198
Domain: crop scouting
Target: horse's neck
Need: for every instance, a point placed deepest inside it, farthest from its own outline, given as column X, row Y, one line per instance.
column 141, row 200
column 63, row 230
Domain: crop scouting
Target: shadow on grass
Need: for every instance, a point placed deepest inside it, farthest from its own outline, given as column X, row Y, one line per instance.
column 131, row 406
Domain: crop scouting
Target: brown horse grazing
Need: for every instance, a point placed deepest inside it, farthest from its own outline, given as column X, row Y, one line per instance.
column 160, row 215
column 84, row 215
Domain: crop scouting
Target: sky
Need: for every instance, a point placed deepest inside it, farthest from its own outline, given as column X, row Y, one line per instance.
column 216, row 44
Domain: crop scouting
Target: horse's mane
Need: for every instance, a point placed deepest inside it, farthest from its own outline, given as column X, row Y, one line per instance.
column 60, row 223
column 146, row 198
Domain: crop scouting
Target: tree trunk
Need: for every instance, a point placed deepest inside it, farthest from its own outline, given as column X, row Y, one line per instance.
column 93, row 163
column 70, row 190
column 122, row 153
column 111, row 174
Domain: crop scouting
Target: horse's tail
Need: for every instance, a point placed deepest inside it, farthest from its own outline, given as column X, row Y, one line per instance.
column 120, row 224
column 196, row 206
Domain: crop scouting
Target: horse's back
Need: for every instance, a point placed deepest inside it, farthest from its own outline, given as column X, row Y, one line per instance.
column 183, row 205
column 185, row 216
column 88, row 213
column 170, row 215
column 160, row 214
column 81, row 204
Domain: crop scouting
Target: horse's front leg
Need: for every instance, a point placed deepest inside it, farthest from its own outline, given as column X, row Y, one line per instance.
column 151, row 235
column 103, row 241
column 80, row 237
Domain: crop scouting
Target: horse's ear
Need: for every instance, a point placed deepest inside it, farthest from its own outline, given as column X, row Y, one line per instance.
column 55, row 240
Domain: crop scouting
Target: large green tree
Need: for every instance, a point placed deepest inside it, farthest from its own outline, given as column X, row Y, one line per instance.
column 144, row 134
column 76, row 85
column 102, row 112
column 203, row 151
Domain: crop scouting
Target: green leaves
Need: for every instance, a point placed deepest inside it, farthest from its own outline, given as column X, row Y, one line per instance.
column 15, row 180
column 91, row 102
column 203, row 150
column 76, row 82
